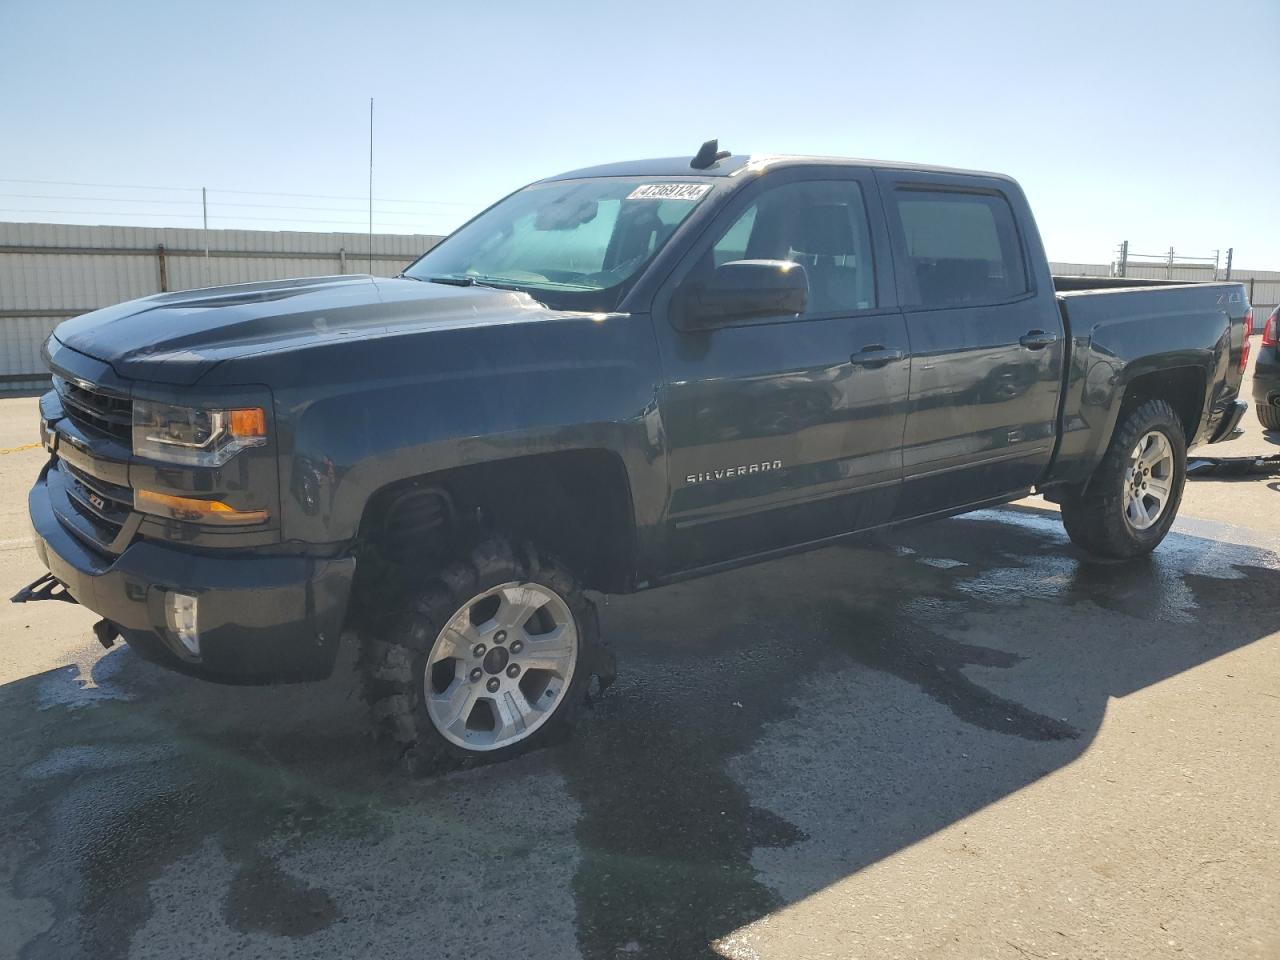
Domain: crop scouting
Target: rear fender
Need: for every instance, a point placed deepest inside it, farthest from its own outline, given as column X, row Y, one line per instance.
column 1115, row 363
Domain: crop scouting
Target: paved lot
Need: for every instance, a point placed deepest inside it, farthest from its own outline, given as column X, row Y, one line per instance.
column 957, row 740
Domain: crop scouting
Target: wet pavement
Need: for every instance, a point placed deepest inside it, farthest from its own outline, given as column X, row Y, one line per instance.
column 959, row 739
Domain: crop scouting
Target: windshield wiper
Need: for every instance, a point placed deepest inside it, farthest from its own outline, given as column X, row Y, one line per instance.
column 467, row 280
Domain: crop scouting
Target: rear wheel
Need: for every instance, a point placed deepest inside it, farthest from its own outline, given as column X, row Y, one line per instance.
column 1269, row 416
column 492, row 657
column 1132, row 498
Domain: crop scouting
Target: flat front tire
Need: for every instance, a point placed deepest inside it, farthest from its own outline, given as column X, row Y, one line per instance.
column 491, row 658
column 1132, row 499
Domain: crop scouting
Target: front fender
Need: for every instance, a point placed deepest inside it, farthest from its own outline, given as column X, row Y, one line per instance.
column 459, row 398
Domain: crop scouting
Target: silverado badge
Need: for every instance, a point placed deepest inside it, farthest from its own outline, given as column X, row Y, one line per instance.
column 741, row 470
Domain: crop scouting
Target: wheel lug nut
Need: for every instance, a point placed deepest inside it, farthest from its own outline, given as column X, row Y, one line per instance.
column 500, row 636
column 517, row 647
column 493, row 684
column 513, row 671
column 478, row 650
column 476, row 674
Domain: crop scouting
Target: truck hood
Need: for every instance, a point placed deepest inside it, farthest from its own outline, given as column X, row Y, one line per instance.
column 178, row 337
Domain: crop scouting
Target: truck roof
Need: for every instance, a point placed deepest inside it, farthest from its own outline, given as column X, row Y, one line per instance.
column 742, row 163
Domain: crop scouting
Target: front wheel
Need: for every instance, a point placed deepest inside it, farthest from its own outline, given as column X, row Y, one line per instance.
column 491, row 658
column 1132, row 498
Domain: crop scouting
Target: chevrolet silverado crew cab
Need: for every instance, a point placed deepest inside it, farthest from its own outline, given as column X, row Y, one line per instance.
column 613, row 379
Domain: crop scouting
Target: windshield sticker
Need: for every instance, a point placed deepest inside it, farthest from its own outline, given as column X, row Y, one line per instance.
column 669, row 191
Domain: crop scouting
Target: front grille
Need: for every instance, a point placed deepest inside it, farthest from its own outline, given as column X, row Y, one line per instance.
column 95, row 410
column 105, row 505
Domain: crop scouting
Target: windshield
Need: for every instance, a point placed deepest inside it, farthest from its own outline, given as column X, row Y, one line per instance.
column 572, row 244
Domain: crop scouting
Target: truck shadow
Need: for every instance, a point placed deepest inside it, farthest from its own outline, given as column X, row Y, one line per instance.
column 773, row 730
column 807, row 718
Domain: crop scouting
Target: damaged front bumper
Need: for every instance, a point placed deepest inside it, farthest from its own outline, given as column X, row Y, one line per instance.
column 263, row 617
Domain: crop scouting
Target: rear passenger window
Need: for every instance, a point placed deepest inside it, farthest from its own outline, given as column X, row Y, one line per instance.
column 963, row 247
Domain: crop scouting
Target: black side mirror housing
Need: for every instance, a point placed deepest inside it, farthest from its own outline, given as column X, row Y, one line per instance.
column 746, row 290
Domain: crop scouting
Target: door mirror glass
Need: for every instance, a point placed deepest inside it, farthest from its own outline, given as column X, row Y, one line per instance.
column 746, row 290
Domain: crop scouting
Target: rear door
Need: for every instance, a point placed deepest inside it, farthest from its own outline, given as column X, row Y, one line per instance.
column 986, row 340
column 786, row 429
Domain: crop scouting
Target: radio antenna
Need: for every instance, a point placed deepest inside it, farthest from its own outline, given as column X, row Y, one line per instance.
column 371, row 186
column 708, row 155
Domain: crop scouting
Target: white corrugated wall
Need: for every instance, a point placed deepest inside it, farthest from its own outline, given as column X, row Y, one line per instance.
column 1080, row 269
column 49, row 272
column 69, row 276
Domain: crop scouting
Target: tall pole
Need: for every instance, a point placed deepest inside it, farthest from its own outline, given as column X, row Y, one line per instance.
column 371, row 185
column 204, row 207
column 1230, row 252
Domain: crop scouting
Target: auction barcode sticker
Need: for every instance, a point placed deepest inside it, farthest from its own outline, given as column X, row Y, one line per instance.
column 669, row 191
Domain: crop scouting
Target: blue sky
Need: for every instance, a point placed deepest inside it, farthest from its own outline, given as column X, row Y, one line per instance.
column 1155, row 123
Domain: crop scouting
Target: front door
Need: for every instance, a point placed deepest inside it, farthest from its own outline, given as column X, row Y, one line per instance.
column 786, row 430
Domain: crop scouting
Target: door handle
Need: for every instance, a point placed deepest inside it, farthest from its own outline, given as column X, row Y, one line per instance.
column 876, row 355
column 1037, row 339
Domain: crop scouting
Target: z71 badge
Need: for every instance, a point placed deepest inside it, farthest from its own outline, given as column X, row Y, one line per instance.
column 727, row 473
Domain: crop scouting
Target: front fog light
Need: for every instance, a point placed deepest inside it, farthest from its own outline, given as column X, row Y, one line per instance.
column 180, row 613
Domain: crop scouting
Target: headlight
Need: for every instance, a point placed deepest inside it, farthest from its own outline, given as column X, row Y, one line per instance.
column 187, row 435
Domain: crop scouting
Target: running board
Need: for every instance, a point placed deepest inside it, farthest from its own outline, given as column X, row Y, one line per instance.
column 1260, row 466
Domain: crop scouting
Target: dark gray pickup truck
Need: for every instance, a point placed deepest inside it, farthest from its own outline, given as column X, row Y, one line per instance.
column 610, row 380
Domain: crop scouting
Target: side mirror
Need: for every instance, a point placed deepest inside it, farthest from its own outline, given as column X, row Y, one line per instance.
column 746, row 289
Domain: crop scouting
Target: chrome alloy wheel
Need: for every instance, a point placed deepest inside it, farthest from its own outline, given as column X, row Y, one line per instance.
column 1148, row 484
column 500, row 667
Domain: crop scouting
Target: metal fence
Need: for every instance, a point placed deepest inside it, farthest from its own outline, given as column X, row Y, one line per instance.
column 49, row 272
column 1263, row 286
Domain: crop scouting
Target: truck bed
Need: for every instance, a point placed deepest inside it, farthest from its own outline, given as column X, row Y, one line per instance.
column 1114, row 325
column 1093, row 300
column 1073, row 284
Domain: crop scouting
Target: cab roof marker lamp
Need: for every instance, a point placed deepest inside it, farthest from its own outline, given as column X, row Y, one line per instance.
column 195, row 510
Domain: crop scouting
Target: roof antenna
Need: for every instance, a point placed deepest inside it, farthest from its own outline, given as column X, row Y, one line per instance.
column 708, row 154
column 371, row 188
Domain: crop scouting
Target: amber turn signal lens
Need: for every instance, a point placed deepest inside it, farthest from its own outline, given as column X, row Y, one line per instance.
column 194, row 510
column 248, row 422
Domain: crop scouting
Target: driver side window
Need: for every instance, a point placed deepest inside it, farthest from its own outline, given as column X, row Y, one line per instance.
column 819, row 224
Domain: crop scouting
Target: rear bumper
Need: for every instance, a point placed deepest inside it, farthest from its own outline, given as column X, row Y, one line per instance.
column 262, row 618
column 1229, row 422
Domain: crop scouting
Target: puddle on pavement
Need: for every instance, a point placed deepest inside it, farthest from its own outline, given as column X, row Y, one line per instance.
column 761, row 715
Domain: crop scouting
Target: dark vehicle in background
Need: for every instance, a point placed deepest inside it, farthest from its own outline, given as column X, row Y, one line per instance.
column 613, row 379
column 1266, row 374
